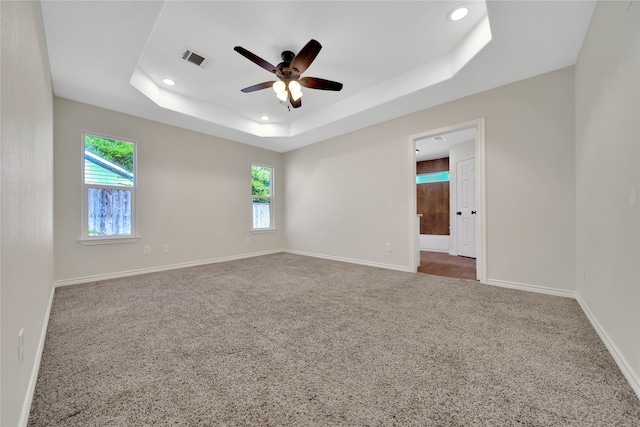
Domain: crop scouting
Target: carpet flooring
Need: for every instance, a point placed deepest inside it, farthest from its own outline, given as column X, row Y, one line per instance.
column 286, row 340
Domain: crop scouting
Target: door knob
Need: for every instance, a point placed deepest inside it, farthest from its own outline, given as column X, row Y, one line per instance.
column 473, row 212
column 458, row 213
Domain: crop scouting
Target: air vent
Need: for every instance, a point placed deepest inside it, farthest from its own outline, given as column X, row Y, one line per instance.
column 439, row 138
column 195, row 58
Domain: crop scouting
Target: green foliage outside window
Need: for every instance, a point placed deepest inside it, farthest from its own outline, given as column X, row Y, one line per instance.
column 118, row 152
column 261, row 181
column 261, row 193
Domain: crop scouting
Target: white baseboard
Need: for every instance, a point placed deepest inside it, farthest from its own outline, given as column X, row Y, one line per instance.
column 403, row 268
column 532, row 288
column 26, row 406
column 625, row 367
column 99, row 277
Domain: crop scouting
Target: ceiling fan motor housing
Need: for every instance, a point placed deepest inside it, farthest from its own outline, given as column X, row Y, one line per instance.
column 287, row 56
column 284, row 70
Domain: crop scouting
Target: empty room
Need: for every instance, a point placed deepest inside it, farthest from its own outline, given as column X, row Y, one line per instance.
column 218, row 213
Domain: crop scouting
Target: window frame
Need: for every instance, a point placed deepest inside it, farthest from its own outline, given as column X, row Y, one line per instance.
column 272, row 225
column 85, row 239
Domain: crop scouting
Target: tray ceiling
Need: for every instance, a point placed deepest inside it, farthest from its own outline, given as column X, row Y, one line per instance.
column 393, row 58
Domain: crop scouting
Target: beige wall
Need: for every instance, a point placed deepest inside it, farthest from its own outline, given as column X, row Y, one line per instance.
column 608, row 180
column 26, row 196
column 351, row 194
column 194, row 193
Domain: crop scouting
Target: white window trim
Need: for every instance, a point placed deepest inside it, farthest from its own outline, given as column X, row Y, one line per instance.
column 87, row 240
column 272, row 215
column 109, row 240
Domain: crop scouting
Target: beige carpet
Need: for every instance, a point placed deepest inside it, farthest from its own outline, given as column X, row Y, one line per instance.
column 285, row 340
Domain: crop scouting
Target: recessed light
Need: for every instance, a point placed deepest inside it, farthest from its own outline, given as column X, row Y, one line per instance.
column 265, row 118
column 169, row 82
column 458, row 13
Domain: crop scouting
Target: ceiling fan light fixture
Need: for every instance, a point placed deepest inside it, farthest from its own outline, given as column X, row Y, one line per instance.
column 288, row 88
column 458, row 13
column 294, row 86
column 279, row 87
column 295, row 89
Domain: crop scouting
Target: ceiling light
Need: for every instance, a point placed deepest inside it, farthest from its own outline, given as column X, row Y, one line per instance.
column 295, row 89
column 265, row 118
column 169, row 82
column 294, row 86
column 458, row 13
column 279, row 87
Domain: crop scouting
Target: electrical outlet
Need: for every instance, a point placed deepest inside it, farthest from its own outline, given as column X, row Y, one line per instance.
column 388, row 247
column 165, row 248
column 247, row 240
column 21, row 346
column 147, row 250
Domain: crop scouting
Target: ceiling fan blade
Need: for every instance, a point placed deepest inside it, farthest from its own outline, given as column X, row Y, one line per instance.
column 259, row 86
column 295, row 104
column 305, row 57
column 322, row 84
column 255, row 58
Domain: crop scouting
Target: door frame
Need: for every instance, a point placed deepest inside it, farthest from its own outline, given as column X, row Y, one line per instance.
column 481, row 193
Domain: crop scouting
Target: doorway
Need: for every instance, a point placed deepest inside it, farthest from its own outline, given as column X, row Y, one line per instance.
column 443, row 264
column 467, row 236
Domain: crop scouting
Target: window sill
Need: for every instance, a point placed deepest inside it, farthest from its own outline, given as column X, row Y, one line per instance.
column 108, row 240
column 263, row 230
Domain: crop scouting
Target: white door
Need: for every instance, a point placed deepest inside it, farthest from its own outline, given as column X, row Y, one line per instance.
column 466, row 207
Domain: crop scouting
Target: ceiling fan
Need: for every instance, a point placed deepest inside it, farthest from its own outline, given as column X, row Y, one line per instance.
column 288, row 87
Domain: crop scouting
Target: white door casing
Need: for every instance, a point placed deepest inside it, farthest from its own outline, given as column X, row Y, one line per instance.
column 480, row 190
column 466, row 208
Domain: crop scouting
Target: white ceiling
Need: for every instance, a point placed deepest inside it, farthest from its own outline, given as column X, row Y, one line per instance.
column 393, row 58
column 430, row 148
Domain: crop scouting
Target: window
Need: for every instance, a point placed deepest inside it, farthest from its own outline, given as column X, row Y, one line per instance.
column 262, row 196
column 108, row 189
column 428, row 178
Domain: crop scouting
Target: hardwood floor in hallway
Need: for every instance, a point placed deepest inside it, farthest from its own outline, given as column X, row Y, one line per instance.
column 443, row 264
